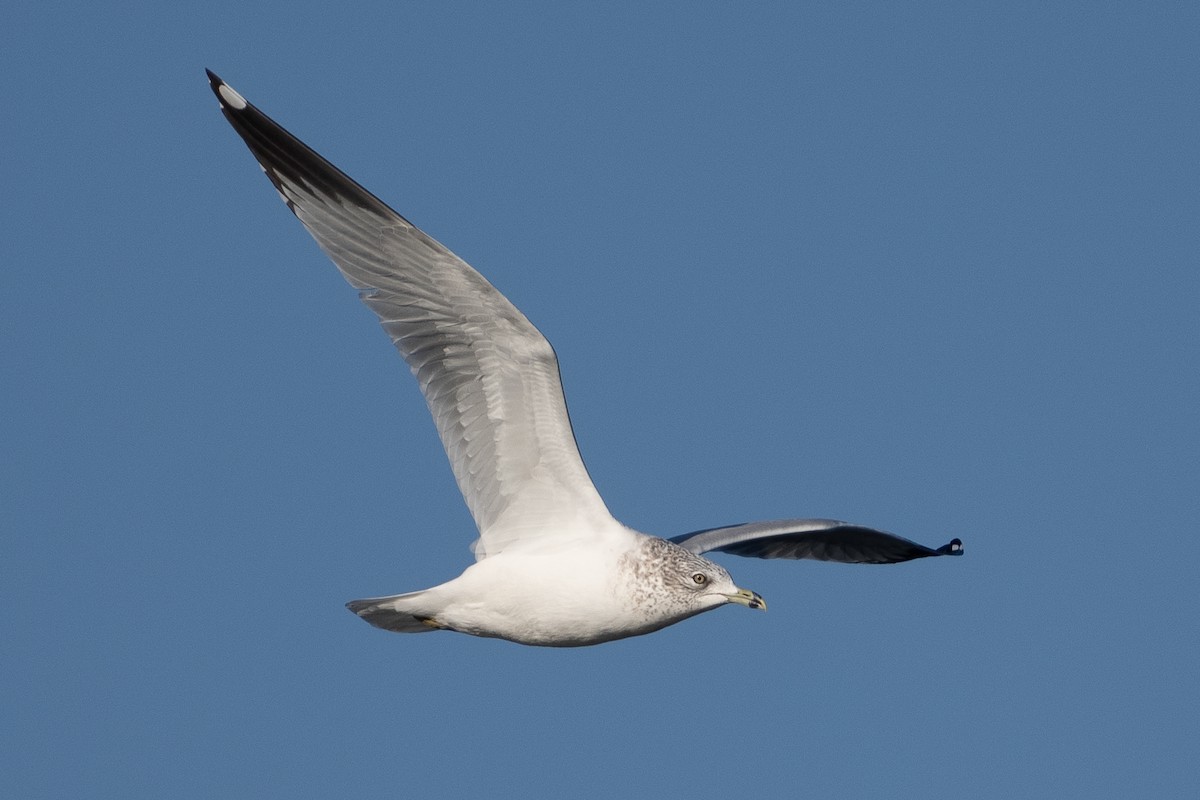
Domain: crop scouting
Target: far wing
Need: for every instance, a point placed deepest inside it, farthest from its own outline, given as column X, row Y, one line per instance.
column 489, row 376
column 819, row 539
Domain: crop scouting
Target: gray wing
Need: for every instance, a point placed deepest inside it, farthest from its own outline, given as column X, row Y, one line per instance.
column 489, row 376
column 820, row 539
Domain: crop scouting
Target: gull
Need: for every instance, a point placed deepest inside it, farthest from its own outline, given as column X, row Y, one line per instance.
column 552, row 566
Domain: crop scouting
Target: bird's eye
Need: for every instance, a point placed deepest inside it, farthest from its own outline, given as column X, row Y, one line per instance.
column 700, row 578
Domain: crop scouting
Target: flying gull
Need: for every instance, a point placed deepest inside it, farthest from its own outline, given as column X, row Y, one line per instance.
column 552, row 567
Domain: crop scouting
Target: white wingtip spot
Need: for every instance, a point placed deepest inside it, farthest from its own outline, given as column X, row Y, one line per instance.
column 231, row 98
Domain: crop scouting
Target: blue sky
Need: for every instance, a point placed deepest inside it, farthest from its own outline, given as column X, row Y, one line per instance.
column 926, row 267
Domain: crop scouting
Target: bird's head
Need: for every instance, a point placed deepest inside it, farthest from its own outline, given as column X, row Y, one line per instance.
column 691, row 582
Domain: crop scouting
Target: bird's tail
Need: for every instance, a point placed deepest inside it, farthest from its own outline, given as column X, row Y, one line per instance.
column 399, row 613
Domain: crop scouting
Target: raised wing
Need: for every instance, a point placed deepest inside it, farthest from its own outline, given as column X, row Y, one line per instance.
column 489, row 376
column 819, row 539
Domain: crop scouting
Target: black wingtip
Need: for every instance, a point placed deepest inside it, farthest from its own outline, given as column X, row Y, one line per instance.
column 228, row 97
column 214, row 81
column 954, row 548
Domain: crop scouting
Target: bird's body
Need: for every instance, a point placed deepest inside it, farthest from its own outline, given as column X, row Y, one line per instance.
column 553, row 567
column 562, row 597
column 568, row 592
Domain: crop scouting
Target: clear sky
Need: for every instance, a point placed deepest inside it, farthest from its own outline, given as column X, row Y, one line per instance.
column 926, row 267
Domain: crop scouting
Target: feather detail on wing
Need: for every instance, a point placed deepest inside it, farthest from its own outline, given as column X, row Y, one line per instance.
column 489, row 376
